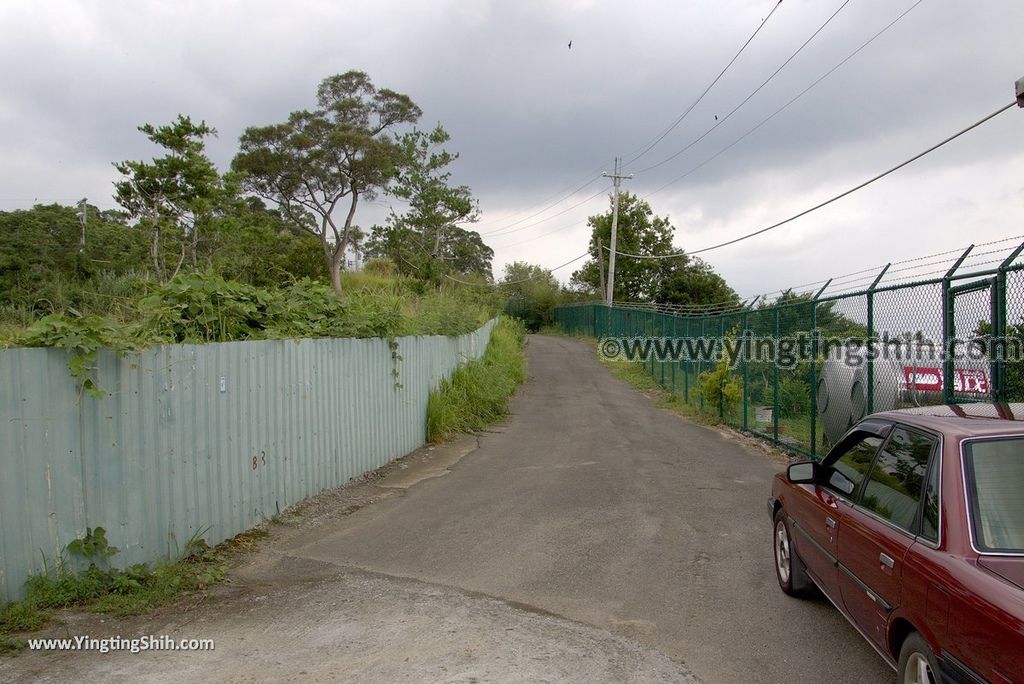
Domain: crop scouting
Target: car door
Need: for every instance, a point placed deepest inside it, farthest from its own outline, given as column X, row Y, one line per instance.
column 815, row 510
column 879, row 526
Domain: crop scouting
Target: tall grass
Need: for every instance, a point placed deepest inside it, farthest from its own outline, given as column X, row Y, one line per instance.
column 204, row 307
column 478, row 392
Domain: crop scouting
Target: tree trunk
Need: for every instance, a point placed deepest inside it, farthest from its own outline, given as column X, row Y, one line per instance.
column 181, row 260
column 335, row 262
column 154, row 249
column 194, row 246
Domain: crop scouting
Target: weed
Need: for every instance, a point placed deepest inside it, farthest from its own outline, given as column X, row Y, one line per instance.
column 130, row 591
column 478, row 392
column 637, row 376
column 9, row 646
column 93, row 547
column 719, row 388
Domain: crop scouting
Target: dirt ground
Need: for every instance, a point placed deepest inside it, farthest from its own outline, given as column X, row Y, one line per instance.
column 286, row 618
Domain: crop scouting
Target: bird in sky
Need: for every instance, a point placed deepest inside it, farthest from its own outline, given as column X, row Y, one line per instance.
column 570, row 45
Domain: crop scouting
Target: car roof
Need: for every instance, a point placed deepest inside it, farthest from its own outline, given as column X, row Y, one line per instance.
column 962, row 421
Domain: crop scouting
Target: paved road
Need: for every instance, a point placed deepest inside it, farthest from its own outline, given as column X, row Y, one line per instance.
column 593, row 538
column 594, row 505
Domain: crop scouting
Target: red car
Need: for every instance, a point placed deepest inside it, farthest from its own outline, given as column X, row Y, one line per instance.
column 913, row 526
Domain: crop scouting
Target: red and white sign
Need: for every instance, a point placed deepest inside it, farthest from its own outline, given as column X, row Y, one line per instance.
column 965, row 380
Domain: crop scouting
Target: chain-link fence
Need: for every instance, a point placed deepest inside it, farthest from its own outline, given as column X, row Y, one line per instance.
column 804, row 369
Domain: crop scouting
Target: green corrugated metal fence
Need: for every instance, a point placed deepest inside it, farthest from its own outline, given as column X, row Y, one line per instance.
column 204, row 440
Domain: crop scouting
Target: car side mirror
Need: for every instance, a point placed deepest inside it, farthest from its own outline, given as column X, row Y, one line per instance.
column 801, row 473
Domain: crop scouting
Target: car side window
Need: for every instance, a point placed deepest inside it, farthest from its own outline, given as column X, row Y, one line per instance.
column 930, row 511
column 897, row 481
column 848, row 470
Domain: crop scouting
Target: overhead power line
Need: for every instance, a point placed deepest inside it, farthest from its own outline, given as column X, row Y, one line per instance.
column 728, row 147
column 836, row 198
column 654, row 142
column 552, row 205
column 799, row 95
column 711, row 85
column 856, row 284
column 721, row 120
column 503, row 232
column 523, row 280
column 644, row 150
column 574, row 224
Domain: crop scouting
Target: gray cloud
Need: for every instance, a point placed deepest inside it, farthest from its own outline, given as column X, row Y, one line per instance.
column 531, row 117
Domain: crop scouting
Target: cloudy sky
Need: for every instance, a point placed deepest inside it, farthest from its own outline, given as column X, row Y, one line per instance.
column 533, row 120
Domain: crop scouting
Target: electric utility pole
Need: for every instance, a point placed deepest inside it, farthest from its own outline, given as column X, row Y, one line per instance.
column 82, row 211
column 617, row 178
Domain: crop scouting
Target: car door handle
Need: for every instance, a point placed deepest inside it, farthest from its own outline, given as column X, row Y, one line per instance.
column 886, row 560
column 830, row 522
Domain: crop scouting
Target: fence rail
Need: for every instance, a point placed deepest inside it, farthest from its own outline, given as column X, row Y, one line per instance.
column 952, row 339
column 199, row 440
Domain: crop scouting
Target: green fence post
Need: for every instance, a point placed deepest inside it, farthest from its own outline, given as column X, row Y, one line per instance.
column 814, row 368
column 997, row 345
column 949, row 328
column 775, row 380
column 675, row 336
column 871, row 340
column 661, row 362
column 650, row 336
column 721, row 342
column 686, row 364
column 700, row 362
column 744, row 360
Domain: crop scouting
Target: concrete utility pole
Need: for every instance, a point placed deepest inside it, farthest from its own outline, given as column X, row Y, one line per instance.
column 83, row 208
column 617, row 177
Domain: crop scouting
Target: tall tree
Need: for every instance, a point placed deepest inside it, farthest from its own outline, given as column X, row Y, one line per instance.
column 178, row 191
column 690, row 280
column 533, row 292
column 680, row 279
column 428, row 240
column 521, row 276
column 343, row 150
column 639, row 232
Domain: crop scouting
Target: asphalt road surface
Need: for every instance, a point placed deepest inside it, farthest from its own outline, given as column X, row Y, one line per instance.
column 595, row 505
column 593, row 537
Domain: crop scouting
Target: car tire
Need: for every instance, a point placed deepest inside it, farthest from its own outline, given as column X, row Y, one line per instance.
column 917, row 662
column 789, row 569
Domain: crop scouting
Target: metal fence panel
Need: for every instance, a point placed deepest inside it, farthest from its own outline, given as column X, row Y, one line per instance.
column 804, row 406
column 199, row 441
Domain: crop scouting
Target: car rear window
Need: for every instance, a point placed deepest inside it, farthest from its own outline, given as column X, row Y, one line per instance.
column 995, row 480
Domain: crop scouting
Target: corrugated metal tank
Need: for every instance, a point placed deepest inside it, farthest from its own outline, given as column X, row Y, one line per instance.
column 905, row 375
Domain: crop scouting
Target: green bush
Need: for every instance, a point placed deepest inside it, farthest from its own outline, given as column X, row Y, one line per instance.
column 204, row 307
column 719, row 389
column 794, row 397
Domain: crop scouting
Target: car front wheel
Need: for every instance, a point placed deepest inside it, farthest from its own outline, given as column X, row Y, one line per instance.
column 789, row 569
column 917, row 662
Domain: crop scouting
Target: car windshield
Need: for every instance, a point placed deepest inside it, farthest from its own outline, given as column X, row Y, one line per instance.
column 995, row 470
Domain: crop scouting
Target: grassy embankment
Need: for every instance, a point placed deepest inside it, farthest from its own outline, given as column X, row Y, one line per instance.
column 478, row 392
